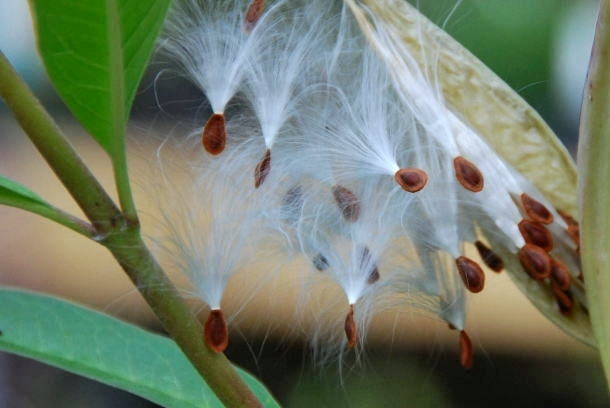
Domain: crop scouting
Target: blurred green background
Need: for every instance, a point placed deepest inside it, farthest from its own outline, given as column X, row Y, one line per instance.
column 540, row 47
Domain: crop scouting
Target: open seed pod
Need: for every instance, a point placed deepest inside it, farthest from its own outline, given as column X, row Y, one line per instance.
column 481, row 101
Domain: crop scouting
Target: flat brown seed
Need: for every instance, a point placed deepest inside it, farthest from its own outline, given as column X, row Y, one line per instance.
column 536, row 261
column 567, row 217
column 573, row 227
column 214, row 137
column 564, row 299
column 262, row 169
column 293, row 197
column 469, row 176
column 351, row 332
column 411, row 180
column 574, row 234
column 535, row 233
column 466, row 353
column 254, row 13
column 320, row 262
column 489, row 257
column 347, row 202
column 367, row 262
column 471, row 273
column 215, row 332
column 536, row 210
column 374, row 276
column 560, row 275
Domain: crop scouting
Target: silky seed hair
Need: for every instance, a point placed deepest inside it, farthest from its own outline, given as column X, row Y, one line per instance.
column 342, row 154
column 208, row 42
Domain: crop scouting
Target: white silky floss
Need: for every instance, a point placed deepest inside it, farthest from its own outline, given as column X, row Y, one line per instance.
column 365, row 172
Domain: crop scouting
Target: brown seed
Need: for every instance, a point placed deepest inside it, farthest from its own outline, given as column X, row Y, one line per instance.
column 293, row 197
column 366, row 262
column 535, row 261
column 411, row 180
column 466, row 354
column 564, row 299
column 468, row 174
column 573, row 227
column 574, row 234
column 489, row 257
column 347, row 202
column 471, row 273
column 216, row 333
column 560, row 275
column 320, row 262
column 255, row 11
column 567, row 217
column 351, row 331
column 537, row 234
column 292, row 205
column 262, row 169
column 374, row 276
column 214, row 137
column 536, row 210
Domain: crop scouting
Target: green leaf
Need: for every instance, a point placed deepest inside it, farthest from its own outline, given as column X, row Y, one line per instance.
column 95, row 52
column 16, row 195
column 108, row 350
column 594, row 190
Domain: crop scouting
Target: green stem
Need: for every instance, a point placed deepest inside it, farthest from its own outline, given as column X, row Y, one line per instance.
column 133, row 256
column 125, row 243
column 594, row 191
column 121, row 179
column 54, row 214
column 57, row 150
column 119, row 116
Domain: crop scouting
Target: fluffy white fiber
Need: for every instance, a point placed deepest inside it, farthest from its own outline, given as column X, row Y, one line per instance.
column 355, row 165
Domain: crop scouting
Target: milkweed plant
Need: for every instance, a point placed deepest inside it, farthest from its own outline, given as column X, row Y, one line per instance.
column 355, row 136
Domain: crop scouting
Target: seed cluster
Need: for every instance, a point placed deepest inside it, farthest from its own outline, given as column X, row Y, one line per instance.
column 342, row 153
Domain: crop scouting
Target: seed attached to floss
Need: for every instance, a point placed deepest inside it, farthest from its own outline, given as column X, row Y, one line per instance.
column 564, row 299
column 374, row 276
column 471, row 273
column 537, row 234
column 254, row 13
column 466, row 353
column 536, row 261
column 320, row 262
column 366, row 262
column 293, row 197
column 214, row 137
column 351, row 331
column 347, row 202
column 560, row 275
column 489, row 257
column 262, row 169
column 468, row 175
column 215, row 332
column 411, row 180
column 573, row 227
column 536, row 210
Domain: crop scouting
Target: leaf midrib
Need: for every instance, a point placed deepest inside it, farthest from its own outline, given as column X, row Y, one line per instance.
column 116, row 75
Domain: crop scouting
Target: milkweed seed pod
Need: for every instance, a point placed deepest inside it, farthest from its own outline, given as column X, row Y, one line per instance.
column 366, row 166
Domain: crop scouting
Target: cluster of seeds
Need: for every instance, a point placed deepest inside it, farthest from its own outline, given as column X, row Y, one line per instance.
column 346, row 155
